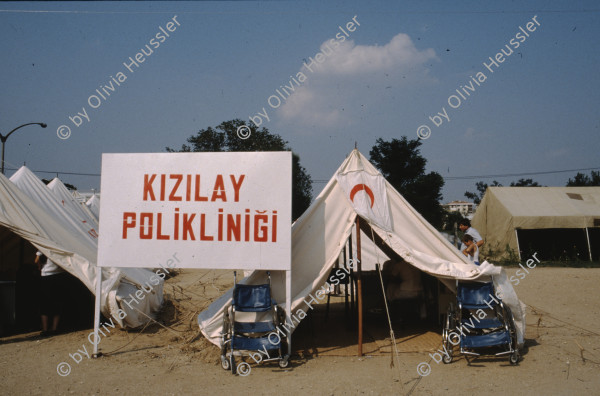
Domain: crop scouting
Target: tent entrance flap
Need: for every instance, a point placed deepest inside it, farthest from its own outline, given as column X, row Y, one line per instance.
column 378, row 241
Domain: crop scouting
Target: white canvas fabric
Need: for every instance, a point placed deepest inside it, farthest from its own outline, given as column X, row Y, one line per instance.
column 66, row 198
column 320, row 234
column 29, row 209
column 370, row 253
column 367, row 195
column 94, row 204
column 82, row 199
column 35, row 189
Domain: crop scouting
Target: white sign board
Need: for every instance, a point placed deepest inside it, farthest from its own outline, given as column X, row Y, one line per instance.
column 212, row 210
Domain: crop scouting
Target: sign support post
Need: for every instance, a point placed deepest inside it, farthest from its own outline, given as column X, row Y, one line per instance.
column 359, row 288
column 288, row 305
column 97, row 311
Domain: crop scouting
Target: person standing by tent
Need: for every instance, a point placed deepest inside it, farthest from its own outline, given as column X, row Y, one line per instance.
column 471, row 250
column 52, row 290
column 465, row 226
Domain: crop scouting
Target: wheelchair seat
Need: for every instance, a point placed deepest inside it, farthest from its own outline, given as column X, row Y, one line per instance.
column 257, row 335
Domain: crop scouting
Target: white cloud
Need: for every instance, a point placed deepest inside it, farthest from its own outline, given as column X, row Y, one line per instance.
column 350, row 59
column 310, row 107
column 350, row 74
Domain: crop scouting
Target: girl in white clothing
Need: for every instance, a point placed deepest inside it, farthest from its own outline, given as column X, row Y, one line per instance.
column 471, row 251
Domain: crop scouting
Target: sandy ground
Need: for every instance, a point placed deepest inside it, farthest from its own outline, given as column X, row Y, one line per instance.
column 562, row 354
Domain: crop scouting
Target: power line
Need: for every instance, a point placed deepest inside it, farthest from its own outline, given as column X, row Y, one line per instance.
column 320, row 181
column 22, row 11
column 517, row 174
column 449, row 178
column 61, row 173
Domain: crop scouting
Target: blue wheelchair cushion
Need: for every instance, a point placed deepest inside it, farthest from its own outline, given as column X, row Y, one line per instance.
column 475, row 295
column 252, row 298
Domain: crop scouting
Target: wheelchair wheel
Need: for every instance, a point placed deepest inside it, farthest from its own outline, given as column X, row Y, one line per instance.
column 285, row 362
column 514, row 358
column 511, row 323
column 243, row 369
column 225, row 363
column 449, row 325
column 447, row 359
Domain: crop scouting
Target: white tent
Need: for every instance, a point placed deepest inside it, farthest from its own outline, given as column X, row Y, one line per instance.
column 320, row 234
column 35, row 189
column 94, row 204
column 66, row 198
column 29, row 209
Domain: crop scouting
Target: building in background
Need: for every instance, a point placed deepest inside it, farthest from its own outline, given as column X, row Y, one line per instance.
column 464, row 208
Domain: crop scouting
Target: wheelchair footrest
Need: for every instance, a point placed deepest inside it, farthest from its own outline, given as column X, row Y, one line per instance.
column 256, row 344
column 253, row 327
column 491, row 323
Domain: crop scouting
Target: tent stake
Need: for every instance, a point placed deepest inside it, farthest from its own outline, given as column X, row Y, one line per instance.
column 95, row 354
column 359, row 288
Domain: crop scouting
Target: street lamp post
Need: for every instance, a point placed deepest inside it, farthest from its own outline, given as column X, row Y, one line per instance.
column 4, row 138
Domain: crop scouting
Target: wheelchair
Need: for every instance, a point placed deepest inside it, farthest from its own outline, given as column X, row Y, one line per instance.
column 483, row 324
column 243, row 338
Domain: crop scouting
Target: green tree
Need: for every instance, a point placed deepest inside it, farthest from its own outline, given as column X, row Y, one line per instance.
column 402, row 164
column 525, row 183
column 224, row 137
column 583, row 180
column 451, row 217
column 481, row 187
column 69, row 186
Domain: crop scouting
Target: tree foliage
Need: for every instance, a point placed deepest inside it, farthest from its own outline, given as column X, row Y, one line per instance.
column 583, row 180
column 481, row 187
column 224, row 137
column 450, row 218
column 402, row 164
column 525, row 183
column 68, row 185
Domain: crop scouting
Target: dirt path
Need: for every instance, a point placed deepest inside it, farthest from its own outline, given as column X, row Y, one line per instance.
column 562, row 355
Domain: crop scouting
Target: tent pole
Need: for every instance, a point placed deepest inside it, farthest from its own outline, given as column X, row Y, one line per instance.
column 97, row 311
column 346, row 305
column 518, row 247
column 359, row 287
column 351, row 256
column 587, row 234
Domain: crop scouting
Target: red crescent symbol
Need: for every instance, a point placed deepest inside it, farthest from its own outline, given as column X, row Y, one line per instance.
column 361, row 187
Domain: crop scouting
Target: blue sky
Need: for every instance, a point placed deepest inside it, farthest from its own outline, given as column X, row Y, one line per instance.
column 537, row 112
